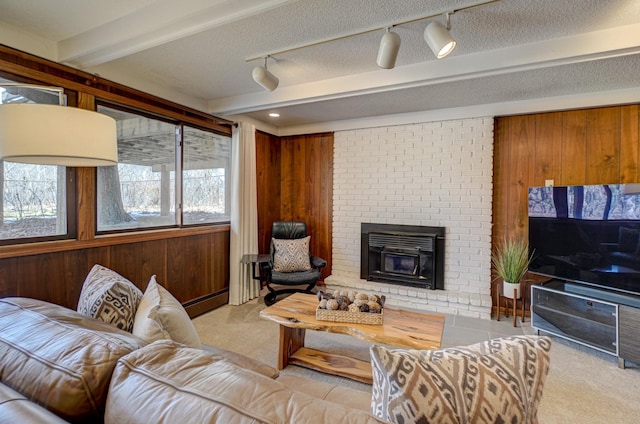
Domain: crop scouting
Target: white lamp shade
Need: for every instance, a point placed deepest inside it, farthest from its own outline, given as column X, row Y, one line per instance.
column 266, row 79
column 439, row 39
column 57, row 135
column 388, row 51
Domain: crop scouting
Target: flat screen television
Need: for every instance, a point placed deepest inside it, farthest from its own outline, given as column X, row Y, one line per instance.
column 587, row 234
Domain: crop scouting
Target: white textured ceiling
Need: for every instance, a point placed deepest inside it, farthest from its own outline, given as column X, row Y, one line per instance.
column 549, row 53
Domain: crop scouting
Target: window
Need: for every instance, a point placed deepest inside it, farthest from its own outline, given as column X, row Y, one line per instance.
column 142, row 191
column 205, row 168
column 33, row 205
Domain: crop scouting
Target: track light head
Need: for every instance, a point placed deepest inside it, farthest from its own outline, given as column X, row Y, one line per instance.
column 266, row 79
column 388, row 51
column 439, row 39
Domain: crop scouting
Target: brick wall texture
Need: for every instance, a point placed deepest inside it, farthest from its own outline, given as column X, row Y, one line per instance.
column 435, row 174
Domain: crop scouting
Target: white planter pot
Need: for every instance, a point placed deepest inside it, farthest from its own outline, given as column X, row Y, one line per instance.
column 508, row 288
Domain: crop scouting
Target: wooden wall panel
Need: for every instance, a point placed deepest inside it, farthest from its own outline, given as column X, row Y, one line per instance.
column 592, row 146
column 219, row 262
column 603, row 146
column 268, row 171
column 629, row 146
column 42, row 277
column 574, row 148
column 183, row 265
column 548, row 156
column 521, row 171
column 77, row 264
column 305, row 187
column 8, row 280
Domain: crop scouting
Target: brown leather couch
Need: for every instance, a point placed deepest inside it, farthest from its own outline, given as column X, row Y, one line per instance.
column 57, row 365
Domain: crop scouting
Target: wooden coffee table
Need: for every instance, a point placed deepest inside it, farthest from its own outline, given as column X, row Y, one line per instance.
column 297, row 313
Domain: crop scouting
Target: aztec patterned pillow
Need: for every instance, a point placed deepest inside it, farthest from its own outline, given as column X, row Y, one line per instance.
column 500, row 380
column 109, row 297
column 291, row 255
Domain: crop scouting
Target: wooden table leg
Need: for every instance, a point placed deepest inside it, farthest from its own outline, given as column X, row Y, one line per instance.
column 291, row 339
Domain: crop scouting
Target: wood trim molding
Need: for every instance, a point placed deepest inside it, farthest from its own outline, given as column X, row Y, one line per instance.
column 26, row 65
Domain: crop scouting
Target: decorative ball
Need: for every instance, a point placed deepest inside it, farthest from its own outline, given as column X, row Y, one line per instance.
column 343, row 306
column 343, row 299
column 374, row 307
column 374, row 298
column 364, row 308
column 323, row 304
column 354, row 308
column 332, row 304
column 362, row 296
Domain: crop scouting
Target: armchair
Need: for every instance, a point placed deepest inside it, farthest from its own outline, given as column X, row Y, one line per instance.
column 290, row 262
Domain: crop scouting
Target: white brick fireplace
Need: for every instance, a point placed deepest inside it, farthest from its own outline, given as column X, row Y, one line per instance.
column 431, row 174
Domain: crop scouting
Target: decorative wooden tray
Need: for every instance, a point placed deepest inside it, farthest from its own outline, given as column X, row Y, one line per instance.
column 350, row 317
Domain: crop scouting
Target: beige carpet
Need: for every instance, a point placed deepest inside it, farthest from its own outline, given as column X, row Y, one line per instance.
column 583, row 385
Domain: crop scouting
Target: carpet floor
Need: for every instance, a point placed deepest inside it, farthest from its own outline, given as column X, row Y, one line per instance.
column 583, row 385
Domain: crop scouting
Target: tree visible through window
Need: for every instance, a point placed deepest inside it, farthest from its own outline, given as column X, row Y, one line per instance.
column 142, row 190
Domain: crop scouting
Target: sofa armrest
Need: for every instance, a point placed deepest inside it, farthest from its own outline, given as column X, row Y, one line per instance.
column 15, row 408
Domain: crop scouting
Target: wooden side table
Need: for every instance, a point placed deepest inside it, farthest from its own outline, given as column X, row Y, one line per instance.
column 514, row 300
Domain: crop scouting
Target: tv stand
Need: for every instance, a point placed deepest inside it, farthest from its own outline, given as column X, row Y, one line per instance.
column 602, row 319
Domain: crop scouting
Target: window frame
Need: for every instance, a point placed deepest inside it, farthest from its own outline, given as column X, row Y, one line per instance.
column 179, row 162
column 70, row 179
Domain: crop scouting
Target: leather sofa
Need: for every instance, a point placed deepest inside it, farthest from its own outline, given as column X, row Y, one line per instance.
column 57, row 365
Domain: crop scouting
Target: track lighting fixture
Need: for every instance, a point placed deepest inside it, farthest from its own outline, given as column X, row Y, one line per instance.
column 266, row 79
column 438, row 37
column 388, row 51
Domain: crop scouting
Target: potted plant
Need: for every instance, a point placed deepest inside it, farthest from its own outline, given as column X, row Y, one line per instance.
column 511, row 261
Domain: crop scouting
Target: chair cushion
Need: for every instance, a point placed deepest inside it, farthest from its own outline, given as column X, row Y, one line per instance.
column 109, row 297
column 161, row 316
column 295, row 278
column 59, row 358
column 500, row 380
column 291, row 255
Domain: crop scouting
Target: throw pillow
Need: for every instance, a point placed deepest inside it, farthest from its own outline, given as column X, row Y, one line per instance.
column 161, row 316
column 109, row 297
column 291, row 255
column 500, row 380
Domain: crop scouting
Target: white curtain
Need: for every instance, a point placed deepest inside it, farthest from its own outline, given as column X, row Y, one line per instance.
column 244, row 214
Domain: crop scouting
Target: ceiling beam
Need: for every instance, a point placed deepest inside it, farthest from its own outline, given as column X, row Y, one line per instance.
column 159, row 23
column 591, row 46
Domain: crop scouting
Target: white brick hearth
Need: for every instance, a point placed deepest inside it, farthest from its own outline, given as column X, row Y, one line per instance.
column 434, row 174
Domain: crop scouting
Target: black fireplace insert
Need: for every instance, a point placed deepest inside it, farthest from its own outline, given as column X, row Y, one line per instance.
column 408, row 255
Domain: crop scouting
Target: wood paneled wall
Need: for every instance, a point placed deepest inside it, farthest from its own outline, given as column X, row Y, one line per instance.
column 589, row 146
column 295, row 183
column 193, row 268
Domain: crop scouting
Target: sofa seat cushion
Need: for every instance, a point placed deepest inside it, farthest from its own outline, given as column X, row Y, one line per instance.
column 498, row 381
column 351, row 398
column 178, row 384
column 60, row 358
column 15, row 408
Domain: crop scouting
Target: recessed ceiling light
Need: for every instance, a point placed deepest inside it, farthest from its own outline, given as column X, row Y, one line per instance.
column 274, row 115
